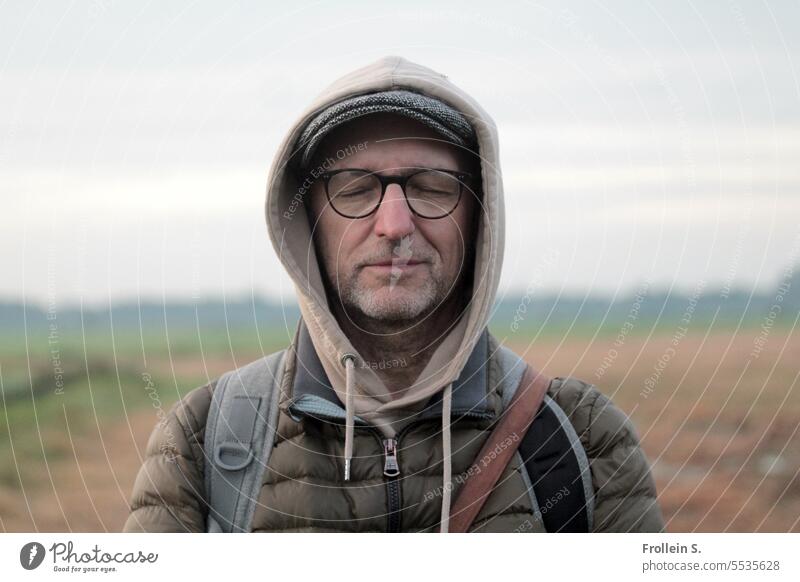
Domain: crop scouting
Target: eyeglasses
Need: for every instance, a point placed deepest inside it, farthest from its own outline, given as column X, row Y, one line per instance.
column 430, row 192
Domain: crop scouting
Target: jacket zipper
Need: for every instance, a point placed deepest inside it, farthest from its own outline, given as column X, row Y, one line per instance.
column 391, row 464
column 391, row 470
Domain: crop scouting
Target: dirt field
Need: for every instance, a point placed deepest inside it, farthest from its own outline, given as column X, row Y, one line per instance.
column 719, row 425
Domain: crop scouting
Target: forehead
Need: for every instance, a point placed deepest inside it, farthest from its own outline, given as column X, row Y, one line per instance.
column 384, row 140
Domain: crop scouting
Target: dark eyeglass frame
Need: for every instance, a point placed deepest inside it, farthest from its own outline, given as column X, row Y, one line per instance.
column 401, row 181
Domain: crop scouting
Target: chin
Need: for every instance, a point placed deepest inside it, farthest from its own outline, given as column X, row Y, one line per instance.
column 393, row 304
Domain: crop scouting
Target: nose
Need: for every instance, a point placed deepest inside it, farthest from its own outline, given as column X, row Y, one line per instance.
column 393, row 218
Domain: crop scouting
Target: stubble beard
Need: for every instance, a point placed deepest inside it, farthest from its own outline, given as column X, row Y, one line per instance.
column 397, row 301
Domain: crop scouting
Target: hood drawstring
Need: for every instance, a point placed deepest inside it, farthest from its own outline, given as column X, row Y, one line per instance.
column 349, row 363
column 447, row 467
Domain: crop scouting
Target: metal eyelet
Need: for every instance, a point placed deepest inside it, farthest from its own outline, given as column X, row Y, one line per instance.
column 346, row 356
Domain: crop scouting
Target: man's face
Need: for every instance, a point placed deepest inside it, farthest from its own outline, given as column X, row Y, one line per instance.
column 424, row 259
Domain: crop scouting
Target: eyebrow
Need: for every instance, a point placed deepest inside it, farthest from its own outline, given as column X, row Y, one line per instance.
column 404, row 171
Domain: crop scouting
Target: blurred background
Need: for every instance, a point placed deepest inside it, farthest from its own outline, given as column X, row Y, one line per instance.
column 650, row 159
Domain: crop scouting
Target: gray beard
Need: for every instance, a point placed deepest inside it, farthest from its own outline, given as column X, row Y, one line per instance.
column 394, row 302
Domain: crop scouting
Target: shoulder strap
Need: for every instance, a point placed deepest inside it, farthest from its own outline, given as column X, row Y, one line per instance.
column 240, row 432
column 489, row 464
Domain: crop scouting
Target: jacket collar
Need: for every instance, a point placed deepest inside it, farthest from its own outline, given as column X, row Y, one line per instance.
column 312, row 394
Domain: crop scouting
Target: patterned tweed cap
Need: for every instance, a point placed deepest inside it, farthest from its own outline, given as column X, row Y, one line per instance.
column 437, row 115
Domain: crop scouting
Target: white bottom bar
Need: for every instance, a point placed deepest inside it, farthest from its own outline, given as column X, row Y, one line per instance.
column 401, row 557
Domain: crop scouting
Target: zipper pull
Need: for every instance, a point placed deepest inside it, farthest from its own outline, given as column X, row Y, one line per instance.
column 390, row 466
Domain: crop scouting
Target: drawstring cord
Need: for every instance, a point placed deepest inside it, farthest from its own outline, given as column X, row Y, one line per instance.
column 446, row 461
column 349, row 363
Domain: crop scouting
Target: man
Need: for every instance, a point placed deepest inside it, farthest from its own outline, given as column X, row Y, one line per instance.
column 385, row 205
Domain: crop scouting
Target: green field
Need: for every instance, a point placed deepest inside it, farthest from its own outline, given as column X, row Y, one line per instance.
column 720, row 428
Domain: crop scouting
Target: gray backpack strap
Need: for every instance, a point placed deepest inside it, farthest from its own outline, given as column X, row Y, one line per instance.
column 240, row 432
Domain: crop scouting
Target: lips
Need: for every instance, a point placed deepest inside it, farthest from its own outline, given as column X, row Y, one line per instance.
column 393, row 263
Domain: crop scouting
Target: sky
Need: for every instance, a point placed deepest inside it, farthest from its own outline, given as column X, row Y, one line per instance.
column 640, row 141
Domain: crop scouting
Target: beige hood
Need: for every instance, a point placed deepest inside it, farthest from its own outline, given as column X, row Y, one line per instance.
column 291, row 237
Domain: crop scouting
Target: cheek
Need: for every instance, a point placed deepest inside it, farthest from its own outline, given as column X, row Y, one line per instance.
column 337, row 240
column 449, row 240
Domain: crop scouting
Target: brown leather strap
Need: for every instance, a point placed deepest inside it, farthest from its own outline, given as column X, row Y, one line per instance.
column 498, row 450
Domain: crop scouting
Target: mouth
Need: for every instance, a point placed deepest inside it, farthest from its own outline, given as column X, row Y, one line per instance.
column 398, row 266
column 394, row 263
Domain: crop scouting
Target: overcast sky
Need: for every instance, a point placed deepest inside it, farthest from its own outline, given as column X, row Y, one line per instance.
column 639, row 141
